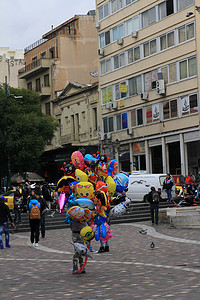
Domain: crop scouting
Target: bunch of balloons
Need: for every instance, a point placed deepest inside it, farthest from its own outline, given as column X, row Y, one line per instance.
column 87, row 188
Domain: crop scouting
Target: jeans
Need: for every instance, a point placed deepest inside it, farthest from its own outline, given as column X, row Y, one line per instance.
column 102, row 244
column 17, row 213
column 154, row 207
column 35, row 224
column 169, row 194
column 42, row 224
column 4, row 227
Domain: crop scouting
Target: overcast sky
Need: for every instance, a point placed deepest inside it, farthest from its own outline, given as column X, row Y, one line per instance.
column 23, row 22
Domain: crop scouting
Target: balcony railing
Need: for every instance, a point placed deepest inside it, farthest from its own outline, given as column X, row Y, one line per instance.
column 34, row 45
column 39, row 62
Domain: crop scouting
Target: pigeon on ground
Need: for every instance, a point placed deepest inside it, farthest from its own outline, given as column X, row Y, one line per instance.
column 152, row 246
column 143, row 231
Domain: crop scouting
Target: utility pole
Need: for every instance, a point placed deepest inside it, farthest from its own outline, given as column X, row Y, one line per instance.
column 7, row 135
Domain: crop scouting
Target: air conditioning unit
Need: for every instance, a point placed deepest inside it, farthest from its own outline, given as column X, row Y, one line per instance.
column 101, row 51
column 97, row 25
column 115, row 105
column 160, row 87
column 120, row 41
column 130, row 131
column 134, row 34
column 108, row 105
column 144, row 96
column 108, row 135
column 101, row 136
column 160, row 75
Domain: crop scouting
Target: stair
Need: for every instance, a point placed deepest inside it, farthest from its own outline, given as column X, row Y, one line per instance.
column 138, row 212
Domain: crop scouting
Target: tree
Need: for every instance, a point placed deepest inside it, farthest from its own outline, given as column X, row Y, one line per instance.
column 24, row 130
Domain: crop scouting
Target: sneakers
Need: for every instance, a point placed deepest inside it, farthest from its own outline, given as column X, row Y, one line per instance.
column 8, row 246
column 36, row 244
column 101, row 249
column 33, row 244
column 1, row 246
column 82, row 272
column 106, row 249
column 74, row 271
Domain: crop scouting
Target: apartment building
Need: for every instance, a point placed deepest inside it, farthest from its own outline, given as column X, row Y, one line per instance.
column 67, row 53
column 149, row 83
column 11, row 60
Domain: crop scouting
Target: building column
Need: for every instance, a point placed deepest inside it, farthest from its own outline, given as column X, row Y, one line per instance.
column 182, row 149
column 131, row 157
column 167, row 158
column 164, row 162
column 147, row 157
column 186, row 159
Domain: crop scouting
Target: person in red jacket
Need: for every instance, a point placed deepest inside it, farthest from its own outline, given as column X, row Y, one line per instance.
column 189, row 182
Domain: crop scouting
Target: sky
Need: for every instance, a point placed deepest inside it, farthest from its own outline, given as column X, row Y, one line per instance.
column 23, row 22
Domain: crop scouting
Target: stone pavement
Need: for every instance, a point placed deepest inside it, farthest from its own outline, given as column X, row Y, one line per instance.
column 132, row 270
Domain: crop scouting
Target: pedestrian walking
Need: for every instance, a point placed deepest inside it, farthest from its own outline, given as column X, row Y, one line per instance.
column 34, row 219
column 154, row 199
column 17, row 206
column 167, row 185
column 46, row 193
column 76, row 227
column 4, row 226
column 44, row 208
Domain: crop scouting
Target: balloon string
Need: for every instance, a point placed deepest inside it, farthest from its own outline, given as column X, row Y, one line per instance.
column 85, row 262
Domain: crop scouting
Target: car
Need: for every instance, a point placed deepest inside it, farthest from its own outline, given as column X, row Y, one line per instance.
column 140, row 184
column 9, row 196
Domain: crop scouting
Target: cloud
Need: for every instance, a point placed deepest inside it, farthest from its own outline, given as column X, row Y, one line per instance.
column 24, row 22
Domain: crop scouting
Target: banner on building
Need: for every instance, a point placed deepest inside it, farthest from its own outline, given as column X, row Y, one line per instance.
column 139, row 148
column 156, row 112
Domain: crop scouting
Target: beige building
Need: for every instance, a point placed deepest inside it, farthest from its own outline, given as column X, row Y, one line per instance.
column 11, row 61
column 149, row 83
column 67, row 53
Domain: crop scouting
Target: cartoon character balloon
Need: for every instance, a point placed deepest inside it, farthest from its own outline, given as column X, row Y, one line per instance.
column 84, row 190
column 78, row 160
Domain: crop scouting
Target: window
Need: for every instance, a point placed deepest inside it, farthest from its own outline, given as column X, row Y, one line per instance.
column 149, row 48
column 149, row 17
column 34, row 61
column 29, row 86
column 150, row 80
column 37, row 85
column 189, row 105
column 164, row 70
column 104, row 39
column 137, row 117
column 107, row 94
column 184, row 3
column 149, row 114
column 46, row 80
column 122, row 121
column 170, row 109
column 118, row 32
column 119, row 60
column 47, row 108
column 52, row 52
column 133, row 54
column 135, row 85
column 120, row 90
column 94, row 117
column 186, row 32
column 43, row 55
column 188, row 68
column 132, row 25
column 116, row 5
column 165, row 8
column 167, row 40
column 108, row 124
column 105, row 66
column 172, row 73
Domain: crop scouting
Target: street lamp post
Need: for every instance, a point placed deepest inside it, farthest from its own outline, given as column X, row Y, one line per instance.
column 7, row 134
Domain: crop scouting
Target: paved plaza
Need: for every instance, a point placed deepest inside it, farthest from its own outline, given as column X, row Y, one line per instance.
column 131, row 270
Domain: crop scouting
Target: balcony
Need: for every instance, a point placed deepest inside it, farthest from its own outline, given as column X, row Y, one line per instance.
column 44, row 91
column 65, row 139
column 34, row 68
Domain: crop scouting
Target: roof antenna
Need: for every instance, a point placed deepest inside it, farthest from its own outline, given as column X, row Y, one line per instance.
column 51, row 27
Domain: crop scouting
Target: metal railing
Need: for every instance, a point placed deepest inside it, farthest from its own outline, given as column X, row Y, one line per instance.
column 31, row 66
column 34, row 45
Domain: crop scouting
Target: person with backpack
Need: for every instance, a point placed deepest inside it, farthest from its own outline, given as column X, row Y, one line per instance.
column 154, row 199
column 44, row 208
column 34, row 218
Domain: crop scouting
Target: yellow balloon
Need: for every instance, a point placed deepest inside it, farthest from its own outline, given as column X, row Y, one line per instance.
column 80, row 175
column 87, row 233
column 111, row 186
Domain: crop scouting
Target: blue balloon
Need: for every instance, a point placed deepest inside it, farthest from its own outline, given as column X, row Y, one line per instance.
column 121, row 181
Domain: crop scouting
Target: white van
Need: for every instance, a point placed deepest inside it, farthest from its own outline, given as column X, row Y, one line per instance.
column 140, row 184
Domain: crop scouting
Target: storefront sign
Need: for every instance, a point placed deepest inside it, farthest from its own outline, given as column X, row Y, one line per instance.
column 124, row 148
column 123, row 88
column 138, row 148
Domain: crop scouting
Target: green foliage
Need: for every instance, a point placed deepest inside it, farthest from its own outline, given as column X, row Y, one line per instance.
column 24, row 130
